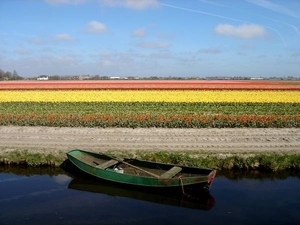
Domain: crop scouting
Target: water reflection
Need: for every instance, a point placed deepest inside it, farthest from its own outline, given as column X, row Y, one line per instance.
column 54, row 196
column 31, row 171
column 203, row 201
column 258, row 175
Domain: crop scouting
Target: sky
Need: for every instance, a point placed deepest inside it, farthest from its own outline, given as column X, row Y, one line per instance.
column 151, row 38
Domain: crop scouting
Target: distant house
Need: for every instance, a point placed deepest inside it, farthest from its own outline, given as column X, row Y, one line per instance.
column 115, row 78
column 256, row 78
column 43, row 77
column 84, row 77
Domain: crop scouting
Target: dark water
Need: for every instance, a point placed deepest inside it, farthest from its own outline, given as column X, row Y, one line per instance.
column 56, row 197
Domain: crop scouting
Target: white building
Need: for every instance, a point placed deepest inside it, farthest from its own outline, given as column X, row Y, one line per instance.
column 43, row 77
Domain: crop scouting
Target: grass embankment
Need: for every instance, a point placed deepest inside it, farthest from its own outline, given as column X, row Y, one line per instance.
column 220, row 161
column 28, row 158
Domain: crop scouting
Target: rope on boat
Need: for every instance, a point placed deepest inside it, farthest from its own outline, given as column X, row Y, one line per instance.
column 182, row 187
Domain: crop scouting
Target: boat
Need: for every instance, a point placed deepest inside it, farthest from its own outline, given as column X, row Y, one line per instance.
column 205, row 201
column 141, row 173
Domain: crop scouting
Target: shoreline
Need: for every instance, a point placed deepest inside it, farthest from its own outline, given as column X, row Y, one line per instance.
column 48, row 145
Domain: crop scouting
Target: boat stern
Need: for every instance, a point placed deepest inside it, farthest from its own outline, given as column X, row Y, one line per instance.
column 210, row 178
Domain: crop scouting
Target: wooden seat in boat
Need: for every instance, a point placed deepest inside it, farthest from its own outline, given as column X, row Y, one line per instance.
column 171, row 172
column 107, row 164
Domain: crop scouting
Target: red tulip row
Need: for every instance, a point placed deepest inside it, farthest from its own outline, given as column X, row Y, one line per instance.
column 146, row 120
column 150, row 88
column 150, row 85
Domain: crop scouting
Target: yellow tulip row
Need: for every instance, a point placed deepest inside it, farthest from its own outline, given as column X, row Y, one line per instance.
column 151, row 96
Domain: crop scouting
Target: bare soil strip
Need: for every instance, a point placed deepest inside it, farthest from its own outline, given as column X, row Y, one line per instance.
column 50, row 140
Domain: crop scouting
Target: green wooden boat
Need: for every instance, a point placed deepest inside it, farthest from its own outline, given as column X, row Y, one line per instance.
column 141, row 173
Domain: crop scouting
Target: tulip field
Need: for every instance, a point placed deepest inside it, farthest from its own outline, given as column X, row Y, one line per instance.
column 142, row 103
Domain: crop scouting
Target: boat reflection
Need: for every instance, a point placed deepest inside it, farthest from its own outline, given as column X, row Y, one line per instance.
column 203, row 201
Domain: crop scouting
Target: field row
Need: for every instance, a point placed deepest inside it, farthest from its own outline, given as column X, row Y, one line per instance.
column 182, row 105
column 130, row 121
column 151, row 108
column 151, row 85
column 168, row 115
column 185, row 96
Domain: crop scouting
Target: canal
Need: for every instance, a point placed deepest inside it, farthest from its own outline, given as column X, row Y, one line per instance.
column 54, row 196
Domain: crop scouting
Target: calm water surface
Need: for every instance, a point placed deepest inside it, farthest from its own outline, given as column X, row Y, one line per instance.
column 57, row 197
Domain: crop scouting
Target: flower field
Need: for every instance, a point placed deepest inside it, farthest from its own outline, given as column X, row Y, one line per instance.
column 170, row 104
column 151, row 85
column 184, row 96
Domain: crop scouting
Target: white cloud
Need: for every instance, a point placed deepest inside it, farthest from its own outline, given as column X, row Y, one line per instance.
column 63, row 37
column 212, row 3
column 57, row 2
column 34, row 65
column 107, row 63
column 295, row 52
column 210, row 51
column 275, row 7
column 69, row 59
column 261, row 56
column 246, row 31
column 37, row 41
column 22, row 51
column 61, row 179
column 165, row 36
column 95, row 27
column 154, row 45
column 133, row 4
column 140, row 4
column 106, row 54
column 248, row 46
column 140, row 32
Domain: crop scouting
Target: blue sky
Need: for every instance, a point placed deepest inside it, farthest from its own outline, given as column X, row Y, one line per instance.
column 143, row 38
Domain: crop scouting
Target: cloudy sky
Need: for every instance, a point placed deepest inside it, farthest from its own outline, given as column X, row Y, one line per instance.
column 143, row 38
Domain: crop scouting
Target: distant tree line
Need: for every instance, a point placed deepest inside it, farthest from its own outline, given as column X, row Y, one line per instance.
column 98, row 77
column 9, row 75
column 15, row 76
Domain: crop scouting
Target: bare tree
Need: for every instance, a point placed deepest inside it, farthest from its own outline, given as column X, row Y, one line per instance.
column 2, row 74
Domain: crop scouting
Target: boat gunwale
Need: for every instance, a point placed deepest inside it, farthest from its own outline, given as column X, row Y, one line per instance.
column 146, row 161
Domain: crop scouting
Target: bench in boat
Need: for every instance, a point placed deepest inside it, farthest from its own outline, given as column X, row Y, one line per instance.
column 171, row 172
column 107, row 164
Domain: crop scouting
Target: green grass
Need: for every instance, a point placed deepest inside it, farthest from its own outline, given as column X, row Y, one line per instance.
column 25, row 157
column 246, row 161
column 274, row 162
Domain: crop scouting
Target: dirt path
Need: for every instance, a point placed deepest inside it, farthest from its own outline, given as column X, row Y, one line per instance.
column 51, row 140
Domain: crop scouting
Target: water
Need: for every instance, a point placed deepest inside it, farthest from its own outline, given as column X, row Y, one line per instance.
column 56, row 197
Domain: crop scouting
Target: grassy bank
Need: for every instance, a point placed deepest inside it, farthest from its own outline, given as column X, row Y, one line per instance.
column 27, row 158
column 220, row 161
